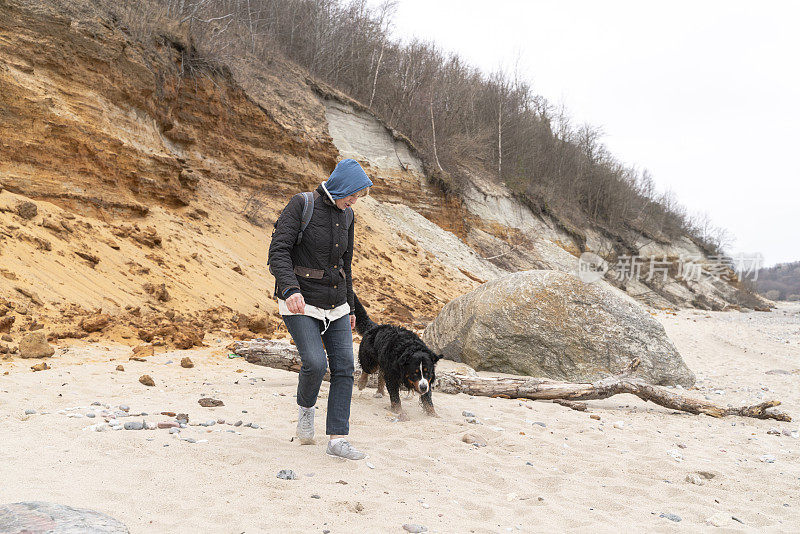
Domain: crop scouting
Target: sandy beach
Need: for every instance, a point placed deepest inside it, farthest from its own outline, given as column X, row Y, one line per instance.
column 545, row 466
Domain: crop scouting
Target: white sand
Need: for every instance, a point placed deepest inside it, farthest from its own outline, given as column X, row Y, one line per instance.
column 586, row 474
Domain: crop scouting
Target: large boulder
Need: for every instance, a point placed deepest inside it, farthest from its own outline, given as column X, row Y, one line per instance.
column 551, row 324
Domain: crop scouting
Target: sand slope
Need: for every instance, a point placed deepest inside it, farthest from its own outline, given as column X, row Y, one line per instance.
column 584, row 473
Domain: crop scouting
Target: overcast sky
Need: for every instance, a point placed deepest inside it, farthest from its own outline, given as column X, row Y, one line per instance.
column 704, row 94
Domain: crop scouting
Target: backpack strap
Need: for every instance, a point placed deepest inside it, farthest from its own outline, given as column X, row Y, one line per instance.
column 348, row 217
column 308, row 211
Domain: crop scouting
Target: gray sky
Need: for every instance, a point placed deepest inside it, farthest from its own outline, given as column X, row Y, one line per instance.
column 704, row 94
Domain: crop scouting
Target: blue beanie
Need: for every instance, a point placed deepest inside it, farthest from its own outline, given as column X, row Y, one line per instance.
column 347, row 178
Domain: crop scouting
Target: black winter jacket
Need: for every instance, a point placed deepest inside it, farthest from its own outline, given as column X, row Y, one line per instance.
column 320, row 265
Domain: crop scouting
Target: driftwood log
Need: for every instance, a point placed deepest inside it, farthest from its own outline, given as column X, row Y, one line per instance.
column 283, row 355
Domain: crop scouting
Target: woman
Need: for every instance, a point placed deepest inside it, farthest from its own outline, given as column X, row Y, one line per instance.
column 314, row 286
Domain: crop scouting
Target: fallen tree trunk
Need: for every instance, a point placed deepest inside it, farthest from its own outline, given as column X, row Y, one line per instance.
column 282, row 355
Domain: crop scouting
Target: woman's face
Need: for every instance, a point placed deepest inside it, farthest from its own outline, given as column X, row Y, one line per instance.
column 347, row 202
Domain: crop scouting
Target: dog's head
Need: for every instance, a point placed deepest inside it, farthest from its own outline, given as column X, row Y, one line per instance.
column 418, row 370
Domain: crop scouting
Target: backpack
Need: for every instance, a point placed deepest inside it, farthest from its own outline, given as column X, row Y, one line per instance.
column 305, row 218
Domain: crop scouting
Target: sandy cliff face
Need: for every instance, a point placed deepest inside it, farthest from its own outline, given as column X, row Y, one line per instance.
column 129, row 189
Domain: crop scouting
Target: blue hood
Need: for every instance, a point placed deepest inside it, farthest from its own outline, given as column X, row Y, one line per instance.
column 347, row 178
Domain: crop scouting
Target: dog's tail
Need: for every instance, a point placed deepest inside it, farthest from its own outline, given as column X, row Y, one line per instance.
column 363, row 322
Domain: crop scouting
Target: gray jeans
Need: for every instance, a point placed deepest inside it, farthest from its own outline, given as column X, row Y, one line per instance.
column 337, row 342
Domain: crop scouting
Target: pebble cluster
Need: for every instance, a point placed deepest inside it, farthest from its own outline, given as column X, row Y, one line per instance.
column 113, row 419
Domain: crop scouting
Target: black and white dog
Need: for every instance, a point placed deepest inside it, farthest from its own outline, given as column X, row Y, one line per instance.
column 400, row 358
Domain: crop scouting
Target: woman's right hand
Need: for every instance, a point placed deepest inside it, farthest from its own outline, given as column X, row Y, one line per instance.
column 296, row 303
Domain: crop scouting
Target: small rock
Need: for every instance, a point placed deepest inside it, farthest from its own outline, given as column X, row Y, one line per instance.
column 95, row 323
column 287, row 474
column 90, row 415
column 370, row 465
column 174, row 430
column 410, row 527
column 35, row 345
column 150, row 425
column 182, row 418
column 147, row 380
column 671, row 517
column 465, row 413
column 707, row 475
column 210, row 422
column 190, row 440
column 473, row 439
column 141, row 352
column 40, row 367
column 168, row 414
column 27, row 210
column 124, row 407
column 168, row 424
column 619, row 424
column 238, row 423
column 541, row 424
column 208, row 402
column 768, row 459
column 315, row 496
column 774, row 431
column 676, row 455
column 30, row 412
column 134, row 425
column 253, row 425
column 187, row 363
column 120, row 368
column 595, row 417
column 694, row 478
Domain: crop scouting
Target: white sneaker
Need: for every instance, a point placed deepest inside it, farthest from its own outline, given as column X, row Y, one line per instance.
column 305, row 425
column 342, row 448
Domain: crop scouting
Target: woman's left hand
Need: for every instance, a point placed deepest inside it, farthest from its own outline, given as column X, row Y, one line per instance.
column 352, row 322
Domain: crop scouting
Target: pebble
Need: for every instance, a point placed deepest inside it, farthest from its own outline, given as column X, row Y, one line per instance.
column 91, row 415
column 774, row 431
column 167, row 424
column 315, row 496
column 473, row 439
column 117, row 427
column 768, row 459
column 619, row 424
column 472, row 420
column 410, row 527
column 96, row 403
column 134, row 425
column 30, row 412
column 465, row 413
column 287, row 474
column 253, row 425
column 150, row 426
column 238, row 423
column 190, row 440
column 147, row 380
column 124, row 407
column 671, row 517
column 694, row 478
column 174, row 430
column 370, row 465
column 676, row 455
column 595, row 417
column 210, row 422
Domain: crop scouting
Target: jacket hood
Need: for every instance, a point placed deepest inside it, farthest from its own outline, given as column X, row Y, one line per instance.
column 347, row 178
